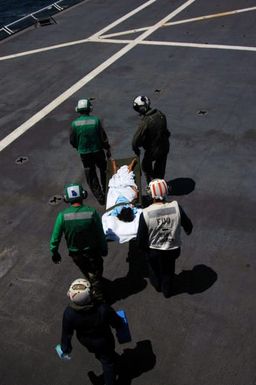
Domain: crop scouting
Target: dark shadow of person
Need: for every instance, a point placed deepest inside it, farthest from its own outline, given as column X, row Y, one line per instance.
column 130, row 364
column 197, row 280
column 133, row 282
column 181, row 186
column 133, row 362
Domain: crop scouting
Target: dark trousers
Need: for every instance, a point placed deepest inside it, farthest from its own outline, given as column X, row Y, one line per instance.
column 154, row 167
column 161, row 266
column 90, row 162
column 108, row 362
column 104, row 350
column 91, row 265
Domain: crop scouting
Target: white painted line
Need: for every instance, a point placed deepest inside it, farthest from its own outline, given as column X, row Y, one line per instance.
column 199, row 18
column 25, row 53
column 199, row 45
column 163, row 21
column 63, row 45
column 87, row 78
column 98, row 37
column 182, row 44
column 124, row 32
column 117, row 41
column 214, row 15
column 125, row 17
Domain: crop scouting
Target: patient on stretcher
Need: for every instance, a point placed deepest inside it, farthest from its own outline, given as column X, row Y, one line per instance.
column 124, row 208
column 120, row 222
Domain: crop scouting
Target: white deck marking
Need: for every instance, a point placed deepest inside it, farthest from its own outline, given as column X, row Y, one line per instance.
column 98, row 37
column 212, row 16
column 182, row 44
column 128, row 32
column 78, row 85
column 199, row 18
column 31, row 52
column 199, row 45
column 125, row 17
column 63, row 45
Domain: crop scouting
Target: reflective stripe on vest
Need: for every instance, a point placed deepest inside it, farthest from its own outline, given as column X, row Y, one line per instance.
column 86, row 122
column 162, row 212
column 81, row 215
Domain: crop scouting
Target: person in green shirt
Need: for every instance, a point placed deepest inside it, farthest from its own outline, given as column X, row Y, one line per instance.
column 90, row 140
column 85, row 238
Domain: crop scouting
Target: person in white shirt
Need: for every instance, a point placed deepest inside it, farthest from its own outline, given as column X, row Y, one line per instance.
column 159, row 236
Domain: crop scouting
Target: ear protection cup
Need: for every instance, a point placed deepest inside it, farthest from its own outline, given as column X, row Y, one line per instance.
column 84, row 194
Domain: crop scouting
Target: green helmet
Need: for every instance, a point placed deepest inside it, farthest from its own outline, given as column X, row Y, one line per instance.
column 74, row 192
column 84, row 105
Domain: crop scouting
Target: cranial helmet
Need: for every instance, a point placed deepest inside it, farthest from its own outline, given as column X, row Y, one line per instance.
column 74, row 193
column 79, row 292
column 84, row 105
column 158, row 189
column 141, row 104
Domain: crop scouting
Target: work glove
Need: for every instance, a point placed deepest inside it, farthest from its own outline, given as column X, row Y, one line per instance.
column 62, row 356
column 108, row 153
column 56, row 257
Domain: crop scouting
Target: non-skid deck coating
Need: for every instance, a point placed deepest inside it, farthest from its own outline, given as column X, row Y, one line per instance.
column 196, row 61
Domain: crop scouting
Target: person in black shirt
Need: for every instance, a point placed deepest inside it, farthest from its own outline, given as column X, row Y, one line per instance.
column 153, row 136
column 92, row 323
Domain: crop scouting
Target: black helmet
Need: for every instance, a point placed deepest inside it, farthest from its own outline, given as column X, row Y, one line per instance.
column 141, row 104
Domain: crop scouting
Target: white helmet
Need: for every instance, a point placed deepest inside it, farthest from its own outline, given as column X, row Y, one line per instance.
column 79, row 292
column 141, row 104
column 84, row 105
column 158, row 189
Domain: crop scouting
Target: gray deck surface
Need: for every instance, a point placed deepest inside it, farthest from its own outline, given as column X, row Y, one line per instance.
column 205, row 334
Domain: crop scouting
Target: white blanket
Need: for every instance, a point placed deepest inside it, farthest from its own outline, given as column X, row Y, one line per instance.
column 120, row 231
column 120, row 185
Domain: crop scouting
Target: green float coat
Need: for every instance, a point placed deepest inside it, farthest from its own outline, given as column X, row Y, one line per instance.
column 82, row 228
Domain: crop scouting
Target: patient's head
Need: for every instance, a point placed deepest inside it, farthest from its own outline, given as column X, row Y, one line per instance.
column 126, row 214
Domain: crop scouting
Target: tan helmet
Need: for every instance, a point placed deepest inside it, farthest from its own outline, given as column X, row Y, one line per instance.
column 79, row 292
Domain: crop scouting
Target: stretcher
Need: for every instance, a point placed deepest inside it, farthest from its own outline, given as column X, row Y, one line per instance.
column 115, row 229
